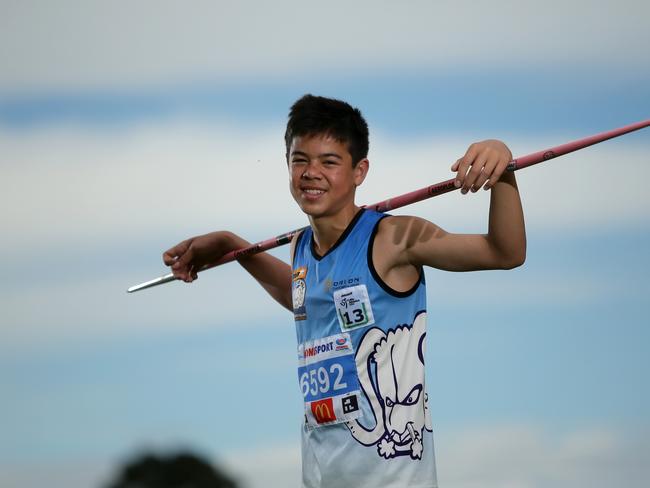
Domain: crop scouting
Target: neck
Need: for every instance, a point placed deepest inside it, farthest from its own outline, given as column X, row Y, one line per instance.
column 328, row 229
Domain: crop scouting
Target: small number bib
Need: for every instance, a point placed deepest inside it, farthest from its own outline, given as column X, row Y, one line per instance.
column 353, row 307
column 327, row 373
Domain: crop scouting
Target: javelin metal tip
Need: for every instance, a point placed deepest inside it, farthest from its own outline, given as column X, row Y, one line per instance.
column 148, row 284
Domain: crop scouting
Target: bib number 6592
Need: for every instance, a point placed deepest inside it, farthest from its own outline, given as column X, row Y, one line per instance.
column 319, row 380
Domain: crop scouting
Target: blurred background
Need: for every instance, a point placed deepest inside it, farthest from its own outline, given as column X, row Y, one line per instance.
column 126, row 127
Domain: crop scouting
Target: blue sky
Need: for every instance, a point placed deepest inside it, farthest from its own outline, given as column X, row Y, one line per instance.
column 523, row 102
column 118, row 143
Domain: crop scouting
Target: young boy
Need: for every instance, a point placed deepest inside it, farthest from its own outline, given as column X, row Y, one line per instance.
column 357, row 290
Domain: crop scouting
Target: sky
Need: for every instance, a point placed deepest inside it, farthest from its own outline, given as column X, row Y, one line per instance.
column 127, row 127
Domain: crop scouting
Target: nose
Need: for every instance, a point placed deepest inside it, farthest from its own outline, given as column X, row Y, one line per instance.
column 310, row 171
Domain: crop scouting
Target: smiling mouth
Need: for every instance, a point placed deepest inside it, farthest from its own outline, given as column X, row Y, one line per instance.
column 312, row 192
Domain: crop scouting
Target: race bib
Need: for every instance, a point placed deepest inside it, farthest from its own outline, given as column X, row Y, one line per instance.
column 353, row 307
column 327, row 373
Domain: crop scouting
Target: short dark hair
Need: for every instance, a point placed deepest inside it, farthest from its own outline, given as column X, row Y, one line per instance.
column 312, row 115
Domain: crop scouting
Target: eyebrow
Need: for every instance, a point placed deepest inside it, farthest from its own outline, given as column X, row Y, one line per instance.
column 324, row 155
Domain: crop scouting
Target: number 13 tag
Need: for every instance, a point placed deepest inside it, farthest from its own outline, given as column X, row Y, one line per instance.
column 353, row 307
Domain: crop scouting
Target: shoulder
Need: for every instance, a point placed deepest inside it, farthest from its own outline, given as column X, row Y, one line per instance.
column 389, row 253
column 294, row 243
column 401, row 232
column 395, row 235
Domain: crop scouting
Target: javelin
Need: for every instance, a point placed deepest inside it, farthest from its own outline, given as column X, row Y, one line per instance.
column 412, row 197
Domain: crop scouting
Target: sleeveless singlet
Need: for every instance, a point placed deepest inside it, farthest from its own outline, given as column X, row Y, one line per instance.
column 360, row 367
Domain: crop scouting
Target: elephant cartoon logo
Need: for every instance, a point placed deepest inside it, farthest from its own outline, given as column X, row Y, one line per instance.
column 391, row 374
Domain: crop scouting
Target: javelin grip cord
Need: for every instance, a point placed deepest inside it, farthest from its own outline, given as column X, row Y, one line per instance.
column 412, row 197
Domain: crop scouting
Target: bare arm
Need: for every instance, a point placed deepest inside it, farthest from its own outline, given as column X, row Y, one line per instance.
column 503, row 247
column 406, row 243
column 189, row 256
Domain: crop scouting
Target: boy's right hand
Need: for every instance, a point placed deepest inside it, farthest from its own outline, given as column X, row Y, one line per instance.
column 188, row 257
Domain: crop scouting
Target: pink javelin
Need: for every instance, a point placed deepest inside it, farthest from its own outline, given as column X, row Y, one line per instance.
column 413, row 197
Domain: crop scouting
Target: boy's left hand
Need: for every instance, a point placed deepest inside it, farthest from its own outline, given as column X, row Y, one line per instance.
column 482, row 165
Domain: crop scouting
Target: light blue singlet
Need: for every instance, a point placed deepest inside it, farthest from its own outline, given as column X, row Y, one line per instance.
column 361, row 368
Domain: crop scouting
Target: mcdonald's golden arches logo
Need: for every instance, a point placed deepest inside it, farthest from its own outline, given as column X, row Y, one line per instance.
column 323, row 410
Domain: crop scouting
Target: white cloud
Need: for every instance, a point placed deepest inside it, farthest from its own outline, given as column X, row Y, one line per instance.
column 579, row 191
column 81, row 44
column 277, row 465
column 59, row 186
column 44, row 315
column 67, row 187
column 526, row 456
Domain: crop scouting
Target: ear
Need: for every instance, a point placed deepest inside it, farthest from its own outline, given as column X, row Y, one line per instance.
column 360, row 171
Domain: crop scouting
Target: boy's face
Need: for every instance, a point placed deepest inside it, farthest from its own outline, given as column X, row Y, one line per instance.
column 322, row 178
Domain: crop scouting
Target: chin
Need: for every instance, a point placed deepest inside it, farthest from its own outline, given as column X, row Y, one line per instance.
column 311, row 212
column 314, row 211
column 310, row 207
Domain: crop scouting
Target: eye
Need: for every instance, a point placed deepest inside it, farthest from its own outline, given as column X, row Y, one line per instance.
column 413, row 396
column 389, row 402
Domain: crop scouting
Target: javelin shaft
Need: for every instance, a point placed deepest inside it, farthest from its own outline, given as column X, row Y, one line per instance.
column 414, row 196
column 554, row 152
